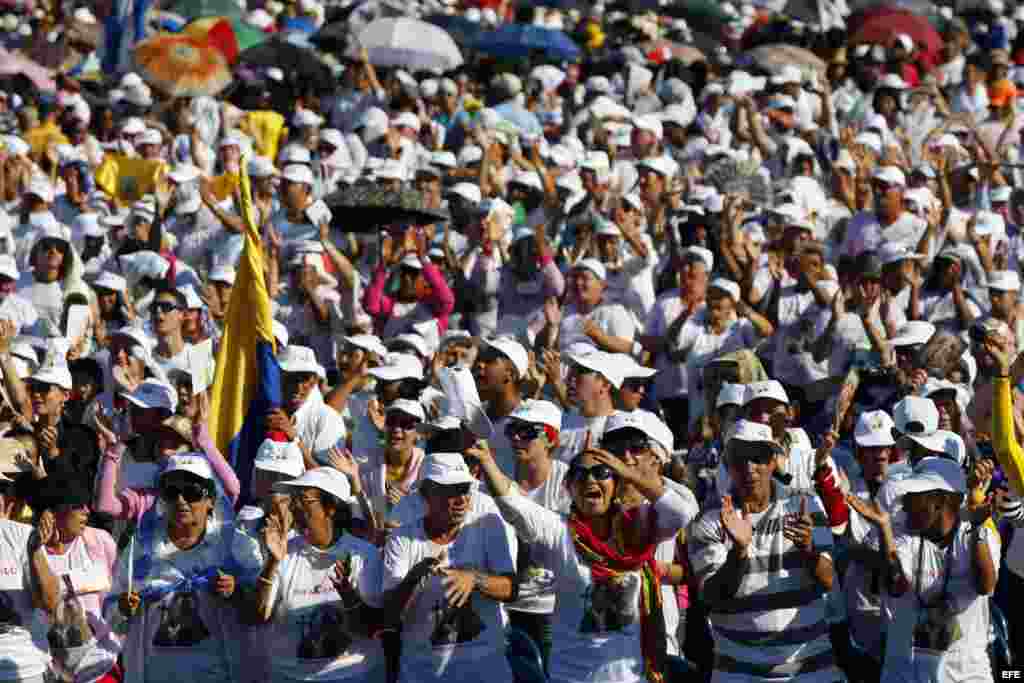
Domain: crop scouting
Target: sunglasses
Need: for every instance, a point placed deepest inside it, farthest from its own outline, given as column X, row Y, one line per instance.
column 164, row 307
column 39, row 388
column 620, row 447
column 192, row 493
column 523, row 431
column 597, row 472
column 635, row 384
column 398, row 421
column 451, row 490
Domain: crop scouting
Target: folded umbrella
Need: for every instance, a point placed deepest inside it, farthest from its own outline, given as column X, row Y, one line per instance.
column 409, row 43
column 182, row 65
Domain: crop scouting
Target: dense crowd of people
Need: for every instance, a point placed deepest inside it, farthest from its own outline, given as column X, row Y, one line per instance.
column 628, row 367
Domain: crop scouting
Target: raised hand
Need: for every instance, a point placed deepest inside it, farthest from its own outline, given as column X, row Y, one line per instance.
column 275, row 536
column 47, row 528
column 342, row 460
column 869, row 510
column 225, row 585
column 736, row 525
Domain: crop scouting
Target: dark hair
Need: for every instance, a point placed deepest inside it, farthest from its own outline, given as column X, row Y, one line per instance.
column 342, row 512
column 165, row 289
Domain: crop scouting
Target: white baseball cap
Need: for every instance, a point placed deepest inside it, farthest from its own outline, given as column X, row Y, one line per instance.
column 730, row 394
column 643, row 421
column 767, row 389
column 1004, row 281
column 609, row 365
column 725, row 285
column 633, row 370
column 893, row 252
column 407, row 120
column 788, row 74
column 468, row 191
column 874, row 428
column 594, row 266
column 913, row 333
column 284, row 457
column 413, row 340
column 890, row 175
column 447, row 469
column 935, row 474
column 753, row 432
column 411, row 261
column 54, row 370
column 111, row 281
column 297, row 173
column 661, row 165
column 915, row 415
column 222, row 273
column 299, row 359
column 195, row 464
column 326, row 479
column 703, row 254
column 409, row 407
column 538, row 412
column 366, row 342
column 512, row 350
column 398, row 366
column 152, row 393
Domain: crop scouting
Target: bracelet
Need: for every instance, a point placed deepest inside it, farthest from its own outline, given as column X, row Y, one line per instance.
column 479, row 582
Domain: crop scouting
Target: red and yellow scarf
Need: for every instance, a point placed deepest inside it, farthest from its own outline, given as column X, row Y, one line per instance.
column 607, row 563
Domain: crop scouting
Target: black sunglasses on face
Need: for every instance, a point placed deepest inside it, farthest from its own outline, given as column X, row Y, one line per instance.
column 620, row 447
column 757, row 457
column 597, row 472
column 452, row 490
column 39, row 388
column 192, row 493
column 523, row 431
column 635, row 384
column 164, row 307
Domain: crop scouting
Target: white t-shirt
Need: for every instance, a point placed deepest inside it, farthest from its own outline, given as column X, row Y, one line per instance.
column 536, row 563
column 596, row 625
column 319, row 426
column 189, row 634
column 967, row 658
column 307, row 643
column 440, row 643
column 23, row 645
column 19, row 311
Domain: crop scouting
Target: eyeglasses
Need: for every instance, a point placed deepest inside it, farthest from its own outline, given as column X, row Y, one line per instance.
column 523, row 431
column 597, row 472
column 192, row 493
column 304, row 501
column 400, row 421
column 620, row 446
column 164, row 307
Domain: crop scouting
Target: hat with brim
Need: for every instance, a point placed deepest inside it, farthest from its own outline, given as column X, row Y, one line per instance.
column 935, row 474
column 283, row 457
column 446, row 469
column 195, row 464
column 326, row 479
column 398, row 366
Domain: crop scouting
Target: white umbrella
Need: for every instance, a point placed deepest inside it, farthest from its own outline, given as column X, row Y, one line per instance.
column 409, row 43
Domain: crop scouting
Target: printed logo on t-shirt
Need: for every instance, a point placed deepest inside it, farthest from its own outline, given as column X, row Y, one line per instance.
column 455, row 625
column 180, row 623
column 324, row 634
column 611, row 605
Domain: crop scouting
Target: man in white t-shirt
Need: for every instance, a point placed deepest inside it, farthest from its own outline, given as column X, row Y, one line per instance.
column 303, row 416
column 590, row 318
column 448, row 576
column 13, row 307
column 594, row 376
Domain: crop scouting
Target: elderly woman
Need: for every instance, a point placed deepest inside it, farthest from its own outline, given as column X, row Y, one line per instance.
column 175, row 581
column 609, row 609
column 315, row 586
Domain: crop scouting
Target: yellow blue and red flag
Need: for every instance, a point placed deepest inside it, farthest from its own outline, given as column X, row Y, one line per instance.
column 247, row 382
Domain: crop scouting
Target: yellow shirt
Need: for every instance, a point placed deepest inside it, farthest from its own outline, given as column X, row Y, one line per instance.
column 224, row 186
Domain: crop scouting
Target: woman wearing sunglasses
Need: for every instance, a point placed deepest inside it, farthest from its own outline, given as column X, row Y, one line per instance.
column 314, row 588
column 607, row 622
column 175, row 583
column 390, row 474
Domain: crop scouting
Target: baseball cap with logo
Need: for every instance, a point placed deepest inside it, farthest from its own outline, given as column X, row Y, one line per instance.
column 195, row 464
column 767, row 389
column 398, row 366
column 299, row 359
column 283, row 457
column 446, row 469
column 642, row 421
column 512, row 350
column 873, row 429
column 153, row 393
column 752, row 433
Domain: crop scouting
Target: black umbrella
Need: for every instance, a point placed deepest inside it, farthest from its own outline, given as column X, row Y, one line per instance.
column 332, row 37
column 367, row 207
column 300, row 65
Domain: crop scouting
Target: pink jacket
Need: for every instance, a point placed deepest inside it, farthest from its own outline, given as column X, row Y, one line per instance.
column 441, row 299
column 132, row 503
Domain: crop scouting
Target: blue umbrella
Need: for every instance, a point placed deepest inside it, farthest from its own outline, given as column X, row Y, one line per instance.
column 511, row 41
column 465, row 32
